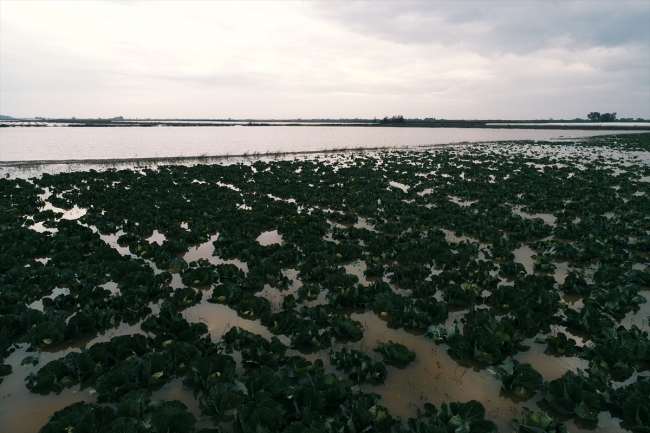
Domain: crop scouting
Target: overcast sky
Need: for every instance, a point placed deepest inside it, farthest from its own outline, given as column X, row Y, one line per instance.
column 442, row 59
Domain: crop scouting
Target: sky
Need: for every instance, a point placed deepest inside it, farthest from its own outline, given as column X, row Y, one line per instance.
column 331, row 59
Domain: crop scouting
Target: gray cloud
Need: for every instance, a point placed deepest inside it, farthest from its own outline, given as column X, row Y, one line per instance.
column 490, row 59
column 519, row 27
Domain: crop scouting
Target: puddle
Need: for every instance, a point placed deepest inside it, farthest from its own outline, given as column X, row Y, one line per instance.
column 640, row 317
column 289, row 200
column 68, row 214
column 206, row 250
column 174, row 390
column 38, row 304
column 460, row 202
column 524, row 255
column 546, row 217
column 24, row 411
column 269, row 238
column 357, row 268
column 111, row 240
column 362, row 223
column 21, row 410
column 74, row 213
column 111, row 286
column 401, row 186
column 452, row 237
column 550, row 367
column 228, row 185
column 39, row 227
column 561, row 271
column 156, row 236
column 433, row 377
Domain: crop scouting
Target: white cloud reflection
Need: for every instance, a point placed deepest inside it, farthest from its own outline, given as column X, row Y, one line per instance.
column 492, row 59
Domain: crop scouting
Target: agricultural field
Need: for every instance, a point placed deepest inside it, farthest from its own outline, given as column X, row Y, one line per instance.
column 474, row 289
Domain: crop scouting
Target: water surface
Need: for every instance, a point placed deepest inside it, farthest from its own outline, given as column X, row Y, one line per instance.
column 57, row 144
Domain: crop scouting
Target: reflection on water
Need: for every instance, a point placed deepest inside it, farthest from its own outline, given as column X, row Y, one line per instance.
column 37, row 144
column 546, row 217
column 22, row 411
column 269, row 238
column 38, row 304
column 433, row 377
column 524, row 255
column 401, row 186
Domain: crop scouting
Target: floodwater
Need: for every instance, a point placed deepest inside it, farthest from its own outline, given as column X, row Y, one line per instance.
column 433, row 377
column 600, row 124
column 57, row 144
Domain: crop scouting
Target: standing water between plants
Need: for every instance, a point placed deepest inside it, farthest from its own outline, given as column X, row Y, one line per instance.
column 490, row 287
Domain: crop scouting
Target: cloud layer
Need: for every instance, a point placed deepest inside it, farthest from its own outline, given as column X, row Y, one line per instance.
column 329, row 59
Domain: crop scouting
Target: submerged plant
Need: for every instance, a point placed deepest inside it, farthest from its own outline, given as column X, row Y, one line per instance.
column 537, row 422
column 447, row 243
column 459, row 417
column 561, row 344
column 358, row 365
column 576, row 394
column 396, row 353
column 522, row 379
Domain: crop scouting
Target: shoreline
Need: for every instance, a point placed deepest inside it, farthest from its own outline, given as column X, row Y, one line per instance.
column 462, row 125
column 205, row 158
column 177, row 159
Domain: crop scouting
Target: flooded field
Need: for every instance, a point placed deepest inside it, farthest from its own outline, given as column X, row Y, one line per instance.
column 56, row 144
column 459, row 289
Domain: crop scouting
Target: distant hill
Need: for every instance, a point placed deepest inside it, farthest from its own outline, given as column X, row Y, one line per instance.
column 5, row 117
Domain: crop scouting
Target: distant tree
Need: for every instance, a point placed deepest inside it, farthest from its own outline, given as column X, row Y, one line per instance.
column 392, row 120
column 595, row 116
column 608, row 117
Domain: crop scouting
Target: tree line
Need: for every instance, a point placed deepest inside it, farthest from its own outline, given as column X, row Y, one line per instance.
column 391, row 120
column 595, row 116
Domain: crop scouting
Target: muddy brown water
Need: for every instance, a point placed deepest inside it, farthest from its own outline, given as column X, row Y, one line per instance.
column 434, row 377
column 76, row 144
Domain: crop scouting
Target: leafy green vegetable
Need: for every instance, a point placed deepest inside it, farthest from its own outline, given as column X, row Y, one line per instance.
column 522, row 379
column 486, row 194
column 561, row 344
column 133, row 404
column 396, row 353
column 223, row 400
column 365, row 414
column 344, row 328
column 458, row 417
column 53, row 376
column 632, row 401
column 81, row 416
column 575, row 394
column 172, row 417
column 207, row 372
column 264, row 353
column 253, row 307
column 537, row 422
column 358, row 365
column 199, row 277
